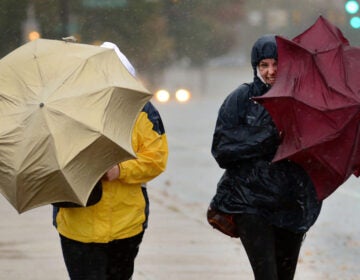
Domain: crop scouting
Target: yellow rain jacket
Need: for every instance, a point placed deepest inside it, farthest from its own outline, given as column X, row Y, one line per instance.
column 123, row 209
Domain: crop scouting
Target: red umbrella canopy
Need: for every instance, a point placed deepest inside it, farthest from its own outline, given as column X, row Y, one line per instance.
column 315, row 103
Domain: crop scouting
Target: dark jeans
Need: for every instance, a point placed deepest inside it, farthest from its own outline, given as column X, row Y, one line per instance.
column 101, row 261
column 273, row 252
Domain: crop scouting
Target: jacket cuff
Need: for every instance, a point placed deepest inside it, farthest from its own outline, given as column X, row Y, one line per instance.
column 122, row 171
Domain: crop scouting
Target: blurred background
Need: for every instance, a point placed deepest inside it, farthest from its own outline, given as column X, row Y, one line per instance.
column 173, row 44
column 191, row 53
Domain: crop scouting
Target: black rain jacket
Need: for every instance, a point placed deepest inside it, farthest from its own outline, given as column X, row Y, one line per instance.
column 244, row 143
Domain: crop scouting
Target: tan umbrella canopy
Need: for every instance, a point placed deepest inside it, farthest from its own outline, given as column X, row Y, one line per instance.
column 67, row 111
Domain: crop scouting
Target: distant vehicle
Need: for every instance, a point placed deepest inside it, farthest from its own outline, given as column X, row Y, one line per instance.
column 181, row 95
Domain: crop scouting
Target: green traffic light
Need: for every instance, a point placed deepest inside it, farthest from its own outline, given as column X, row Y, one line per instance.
column 352, row 7
column 355, row 22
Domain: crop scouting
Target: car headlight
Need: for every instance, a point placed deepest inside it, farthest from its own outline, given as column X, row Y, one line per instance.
column 182, row 95
column 162, row 96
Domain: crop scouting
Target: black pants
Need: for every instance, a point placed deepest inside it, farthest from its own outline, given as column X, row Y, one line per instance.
column 273, row 252
column 101, row 261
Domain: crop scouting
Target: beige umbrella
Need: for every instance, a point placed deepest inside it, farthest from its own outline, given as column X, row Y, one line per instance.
column 67, row 111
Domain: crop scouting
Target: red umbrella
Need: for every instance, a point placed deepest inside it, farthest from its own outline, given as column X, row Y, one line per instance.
column 315, row 103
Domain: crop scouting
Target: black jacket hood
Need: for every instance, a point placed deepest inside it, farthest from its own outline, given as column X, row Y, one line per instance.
column 264, row 47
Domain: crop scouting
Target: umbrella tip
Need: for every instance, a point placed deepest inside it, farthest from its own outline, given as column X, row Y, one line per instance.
column 69, row 39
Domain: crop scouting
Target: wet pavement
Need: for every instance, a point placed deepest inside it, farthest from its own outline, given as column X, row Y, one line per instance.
column 179, row 244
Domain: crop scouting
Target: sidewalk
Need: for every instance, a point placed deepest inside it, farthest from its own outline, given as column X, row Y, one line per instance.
column 179, row 245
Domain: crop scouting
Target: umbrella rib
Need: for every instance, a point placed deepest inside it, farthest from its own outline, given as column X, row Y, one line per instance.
column 314, row 54
column 77, row 69
column 8, row 98
column 72, row 74
column 323, row 75
column 349, row 159
column 73, row 119
column 354, row 148
column 329, row 119
column 19, row 79
column 85, row 126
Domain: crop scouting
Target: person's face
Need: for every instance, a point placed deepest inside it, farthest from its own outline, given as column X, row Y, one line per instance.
column 268, row 70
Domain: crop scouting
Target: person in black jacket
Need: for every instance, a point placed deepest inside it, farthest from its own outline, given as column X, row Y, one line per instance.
column 273, row 204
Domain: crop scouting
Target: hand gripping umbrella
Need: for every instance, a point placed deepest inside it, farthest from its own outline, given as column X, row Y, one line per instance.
column 315, row 103
column 67, row 111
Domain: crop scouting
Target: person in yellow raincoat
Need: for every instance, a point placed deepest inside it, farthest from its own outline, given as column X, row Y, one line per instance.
column 101, row 241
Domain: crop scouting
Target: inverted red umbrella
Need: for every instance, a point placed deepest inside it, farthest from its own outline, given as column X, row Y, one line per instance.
column 315, row 103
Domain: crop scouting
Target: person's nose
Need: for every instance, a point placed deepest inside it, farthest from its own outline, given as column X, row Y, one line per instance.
column 272, row 69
